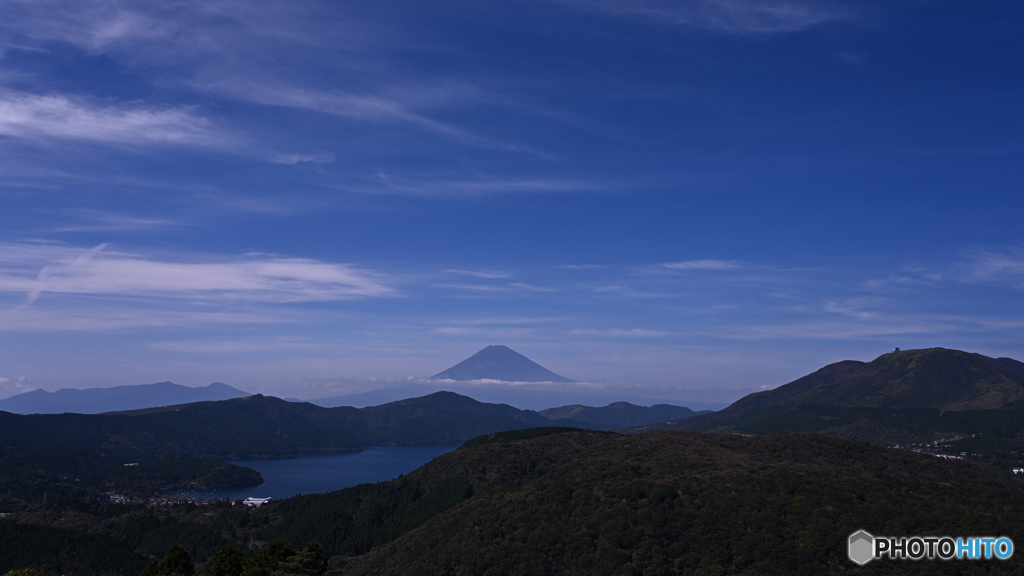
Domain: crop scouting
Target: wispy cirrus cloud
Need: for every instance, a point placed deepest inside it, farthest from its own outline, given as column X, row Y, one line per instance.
column 89, row 24
column 620, row 333
column 430, row 186
column 500, row 288
column 175, row 33
column 56, row 116
column 36, row 270
column 477, row 288
column 921, row 327
column 629, row 292
column 904, row 280
column 864, row 308
column 704, row 265
column 307, row 158
column 726, row 16
column 533, row 287
column 229, row 346
column 457, row 330
column 989, row 265
column 368, row 106
column 134, row 315
column 88, row 220
column 492, row 274
column 505, row 321
column 261, row 52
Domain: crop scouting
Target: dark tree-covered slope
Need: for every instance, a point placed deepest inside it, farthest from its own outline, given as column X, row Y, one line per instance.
column 442, row 417
column 69, row 474
column 55, row 550
column 578, row 502
column 259, row 426
column 569, row 501
column 618, row 414
column 904, row 396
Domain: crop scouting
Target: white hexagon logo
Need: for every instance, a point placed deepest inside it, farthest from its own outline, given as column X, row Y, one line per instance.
column 861, row 547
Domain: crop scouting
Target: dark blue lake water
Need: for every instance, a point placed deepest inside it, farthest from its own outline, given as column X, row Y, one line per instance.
column 326, row 472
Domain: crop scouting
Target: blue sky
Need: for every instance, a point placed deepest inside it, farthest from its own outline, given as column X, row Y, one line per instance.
column 672, row 200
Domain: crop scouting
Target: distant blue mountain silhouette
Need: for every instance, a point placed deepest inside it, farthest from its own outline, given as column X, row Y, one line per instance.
column 115, row 399
column 499, row 363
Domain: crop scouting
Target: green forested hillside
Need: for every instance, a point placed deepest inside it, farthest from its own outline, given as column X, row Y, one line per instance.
column 264, row 427
column 48, row 549
column 567, row 501
column 902, row 397
column 30, row 474
column 678, row 503
column 618, row 414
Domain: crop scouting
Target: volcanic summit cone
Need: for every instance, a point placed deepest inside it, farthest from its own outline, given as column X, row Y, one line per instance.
column 499, row 363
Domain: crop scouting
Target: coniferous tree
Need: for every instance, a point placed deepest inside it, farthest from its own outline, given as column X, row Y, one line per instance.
column 176, row 562
column 311, row 560
column 269, row 560
column 228, row 561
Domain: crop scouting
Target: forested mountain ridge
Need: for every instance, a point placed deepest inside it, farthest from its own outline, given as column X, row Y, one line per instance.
column 563, row 501
column 77, row 457
column 267, row 427
column 932, row 378
column 577, row 502
column 618, row 414
column 900, row 397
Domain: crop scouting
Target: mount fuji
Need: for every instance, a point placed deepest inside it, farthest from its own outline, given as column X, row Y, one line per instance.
column 499, row 363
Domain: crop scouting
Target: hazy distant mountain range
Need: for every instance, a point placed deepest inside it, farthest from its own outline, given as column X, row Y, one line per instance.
column 115, row 399
column 266, row 427
column 492, row 363
column 902, row 396
column 538, row 396
column 499, row 363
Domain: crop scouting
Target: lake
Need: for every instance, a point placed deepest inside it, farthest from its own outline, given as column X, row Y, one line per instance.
column 318, row 473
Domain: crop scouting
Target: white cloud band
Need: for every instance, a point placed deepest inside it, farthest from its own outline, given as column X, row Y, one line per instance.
column 35, row 269
column 704, row 265
column 55, row 116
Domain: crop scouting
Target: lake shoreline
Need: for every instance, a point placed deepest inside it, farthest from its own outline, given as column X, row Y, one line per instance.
column 321, row 472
